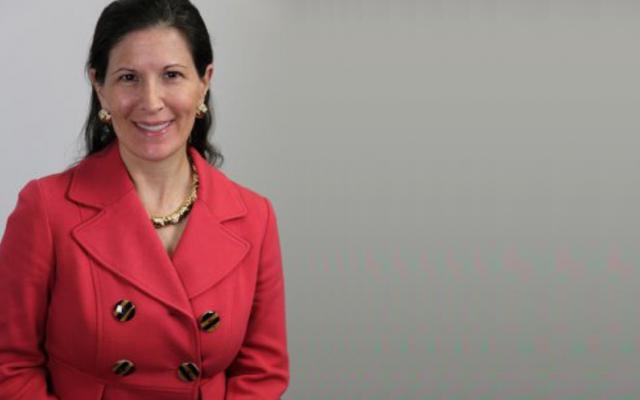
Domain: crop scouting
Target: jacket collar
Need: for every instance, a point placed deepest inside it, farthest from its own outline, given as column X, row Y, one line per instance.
column 102, row 179
column 122, row 240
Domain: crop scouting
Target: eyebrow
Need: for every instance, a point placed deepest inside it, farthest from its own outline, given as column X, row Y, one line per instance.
column 133, row 70
column 122, row 69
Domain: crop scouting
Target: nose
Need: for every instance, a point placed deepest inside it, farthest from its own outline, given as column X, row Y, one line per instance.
column 151, row 97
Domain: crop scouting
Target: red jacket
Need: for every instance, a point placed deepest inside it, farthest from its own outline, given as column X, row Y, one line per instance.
column 79, row 243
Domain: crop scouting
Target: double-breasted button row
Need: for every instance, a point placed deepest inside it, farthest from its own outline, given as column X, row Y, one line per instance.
column 187, row 371
column 124, row 310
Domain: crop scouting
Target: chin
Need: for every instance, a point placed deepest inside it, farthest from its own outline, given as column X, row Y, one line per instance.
column 153, row 151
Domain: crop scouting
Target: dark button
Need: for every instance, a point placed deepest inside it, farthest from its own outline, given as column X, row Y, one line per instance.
column 188, row 372
column 123, row 368
column 209, row 321
column 124, row 310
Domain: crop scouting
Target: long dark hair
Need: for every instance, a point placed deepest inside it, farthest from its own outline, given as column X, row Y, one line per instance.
column 125, row 16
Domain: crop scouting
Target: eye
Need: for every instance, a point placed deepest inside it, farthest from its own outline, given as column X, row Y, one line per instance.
column 127, row 77
column 173, row 74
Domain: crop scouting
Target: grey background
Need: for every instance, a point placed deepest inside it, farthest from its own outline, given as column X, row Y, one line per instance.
column 456, row 182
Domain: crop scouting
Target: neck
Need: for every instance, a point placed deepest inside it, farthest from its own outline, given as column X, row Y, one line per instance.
column 161, row 185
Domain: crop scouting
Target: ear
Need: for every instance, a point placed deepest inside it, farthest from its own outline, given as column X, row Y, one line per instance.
column 206, row 79
column 97, row 87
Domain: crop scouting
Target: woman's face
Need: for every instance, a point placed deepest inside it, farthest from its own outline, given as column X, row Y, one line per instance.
column 152, row 90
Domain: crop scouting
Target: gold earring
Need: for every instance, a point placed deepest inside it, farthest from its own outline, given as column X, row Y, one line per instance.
column 201, row 111
column 104, row 116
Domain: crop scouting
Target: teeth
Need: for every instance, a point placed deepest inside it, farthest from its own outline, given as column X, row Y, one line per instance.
column 153, row 128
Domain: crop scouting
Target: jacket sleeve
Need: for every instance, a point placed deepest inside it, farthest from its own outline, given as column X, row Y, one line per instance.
column 261, row 368
column 26, row 263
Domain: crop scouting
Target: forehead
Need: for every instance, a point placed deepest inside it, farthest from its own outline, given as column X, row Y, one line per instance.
column 151, row 47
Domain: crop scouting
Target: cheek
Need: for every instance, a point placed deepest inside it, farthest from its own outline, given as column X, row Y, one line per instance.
column 187, row 100
column 186, row 104
column 123, row 105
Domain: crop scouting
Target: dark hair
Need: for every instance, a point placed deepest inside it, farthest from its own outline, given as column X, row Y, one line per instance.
column 125, row 16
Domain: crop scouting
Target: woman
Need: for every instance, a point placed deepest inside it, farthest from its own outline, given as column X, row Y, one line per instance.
column 143, row 272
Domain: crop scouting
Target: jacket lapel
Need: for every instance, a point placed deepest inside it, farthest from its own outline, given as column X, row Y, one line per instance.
column 208, row 250
column 121, row 238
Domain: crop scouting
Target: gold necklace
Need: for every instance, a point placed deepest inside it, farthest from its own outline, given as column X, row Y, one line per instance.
column 183, row 210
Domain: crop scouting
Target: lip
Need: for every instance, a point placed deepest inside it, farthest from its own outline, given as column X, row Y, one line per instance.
column 153, row 133
column 154, row 122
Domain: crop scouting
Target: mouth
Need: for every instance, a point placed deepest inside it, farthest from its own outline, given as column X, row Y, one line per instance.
column 155, row 128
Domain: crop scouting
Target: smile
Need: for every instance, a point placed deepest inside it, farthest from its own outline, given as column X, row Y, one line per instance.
column 154, row 128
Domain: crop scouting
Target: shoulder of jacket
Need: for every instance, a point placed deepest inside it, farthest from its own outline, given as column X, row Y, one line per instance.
column 56, row 184
column 253, row 199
